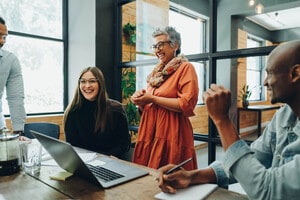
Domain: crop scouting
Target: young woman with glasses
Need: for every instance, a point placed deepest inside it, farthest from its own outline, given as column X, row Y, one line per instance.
column 93, row 121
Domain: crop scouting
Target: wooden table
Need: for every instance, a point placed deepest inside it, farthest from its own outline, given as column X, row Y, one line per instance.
column 255, row 108
column 23, row 186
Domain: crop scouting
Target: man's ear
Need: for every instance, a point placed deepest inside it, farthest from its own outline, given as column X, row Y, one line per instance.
column 296, row 73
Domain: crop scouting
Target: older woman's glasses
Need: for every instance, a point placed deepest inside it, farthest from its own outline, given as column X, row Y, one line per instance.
column 92, row 81
column 159, row 46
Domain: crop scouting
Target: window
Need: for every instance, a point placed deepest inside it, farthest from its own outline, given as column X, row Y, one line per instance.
column 191, row 27
column 254, row 70
column 36, row 38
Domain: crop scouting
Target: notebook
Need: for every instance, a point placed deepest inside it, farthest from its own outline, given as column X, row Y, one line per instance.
column 194, row 192
column 68, row 159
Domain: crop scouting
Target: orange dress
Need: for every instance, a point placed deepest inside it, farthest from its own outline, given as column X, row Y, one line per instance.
column 166, row 136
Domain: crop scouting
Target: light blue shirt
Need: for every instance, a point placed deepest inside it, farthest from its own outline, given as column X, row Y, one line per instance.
column 270, row 168
column 11, row 78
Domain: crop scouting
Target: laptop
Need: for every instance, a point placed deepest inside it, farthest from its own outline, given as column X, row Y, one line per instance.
column 114, row 172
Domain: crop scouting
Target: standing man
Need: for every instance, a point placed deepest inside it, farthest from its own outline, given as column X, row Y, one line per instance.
column 11, row 78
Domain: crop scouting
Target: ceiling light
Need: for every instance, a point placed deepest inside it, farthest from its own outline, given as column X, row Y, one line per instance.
column 259, row 9
column 251, row 2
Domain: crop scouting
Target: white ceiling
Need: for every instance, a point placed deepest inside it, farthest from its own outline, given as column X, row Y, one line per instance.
column 285, row 19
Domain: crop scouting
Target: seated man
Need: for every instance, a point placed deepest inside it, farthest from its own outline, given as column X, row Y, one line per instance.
column 270, row 168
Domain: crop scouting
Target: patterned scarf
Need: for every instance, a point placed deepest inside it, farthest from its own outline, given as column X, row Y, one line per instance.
column 162, row 72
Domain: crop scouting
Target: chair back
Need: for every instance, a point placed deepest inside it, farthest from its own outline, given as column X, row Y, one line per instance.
column 47, row 128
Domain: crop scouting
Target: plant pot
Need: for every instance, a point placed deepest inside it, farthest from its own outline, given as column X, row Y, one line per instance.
column 245, row 103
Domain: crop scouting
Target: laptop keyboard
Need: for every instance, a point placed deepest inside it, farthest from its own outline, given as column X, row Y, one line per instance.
column 105, row 174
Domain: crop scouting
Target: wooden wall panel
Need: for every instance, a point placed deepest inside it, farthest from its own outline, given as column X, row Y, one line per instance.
column 200, row 120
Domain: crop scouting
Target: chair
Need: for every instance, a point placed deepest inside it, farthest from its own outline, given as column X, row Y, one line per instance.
column 47, row 128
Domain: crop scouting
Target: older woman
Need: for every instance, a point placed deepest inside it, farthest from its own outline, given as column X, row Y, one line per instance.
column 93, row 121
column 165, row 134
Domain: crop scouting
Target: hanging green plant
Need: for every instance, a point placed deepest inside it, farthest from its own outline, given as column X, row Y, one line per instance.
column 128, row 88
column 129, row 33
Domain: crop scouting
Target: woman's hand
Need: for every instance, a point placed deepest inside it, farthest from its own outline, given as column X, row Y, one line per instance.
column 176, row 180
column 141, row 98
column 138, row 93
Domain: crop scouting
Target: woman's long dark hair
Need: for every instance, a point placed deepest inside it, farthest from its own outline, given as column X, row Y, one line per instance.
column 101, row 113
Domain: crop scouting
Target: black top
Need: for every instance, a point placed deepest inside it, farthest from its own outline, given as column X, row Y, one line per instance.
column 79, row 129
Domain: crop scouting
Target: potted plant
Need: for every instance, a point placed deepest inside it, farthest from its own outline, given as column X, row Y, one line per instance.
column 245, row 94
column 129, row 33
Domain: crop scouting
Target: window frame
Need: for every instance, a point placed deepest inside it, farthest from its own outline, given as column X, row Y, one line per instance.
column 64, row 41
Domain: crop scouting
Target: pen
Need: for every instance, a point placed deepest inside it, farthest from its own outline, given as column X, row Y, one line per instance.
column 178, row 166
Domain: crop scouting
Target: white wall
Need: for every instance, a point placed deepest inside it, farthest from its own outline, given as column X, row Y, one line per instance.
column 82, row 19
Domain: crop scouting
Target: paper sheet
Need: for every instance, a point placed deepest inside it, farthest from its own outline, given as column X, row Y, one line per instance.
column 195, row 192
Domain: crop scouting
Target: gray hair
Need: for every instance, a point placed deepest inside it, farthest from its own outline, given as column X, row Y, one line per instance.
column 173, row 36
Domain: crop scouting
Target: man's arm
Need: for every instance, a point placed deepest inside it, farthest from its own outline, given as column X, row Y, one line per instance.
column 259, row 182
column 15, row 95
column 217, row 100
column 182, row 178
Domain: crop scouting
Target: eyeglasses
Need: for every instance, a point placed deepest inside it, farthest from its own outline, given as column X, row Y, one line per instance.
column 159, row 45
column 92, row 81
